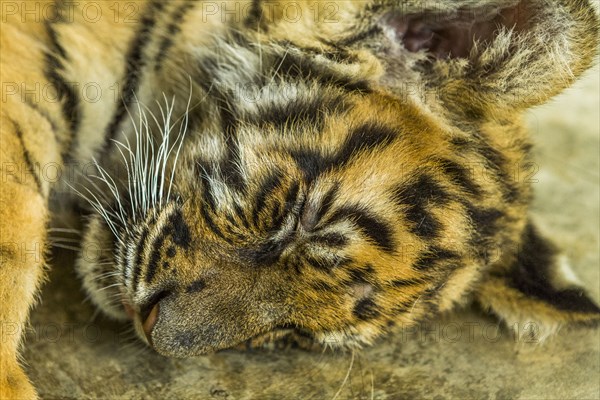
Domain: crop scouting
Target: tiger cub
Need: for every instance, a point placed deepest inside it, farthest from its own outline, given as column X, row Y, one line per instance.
column 257, row 170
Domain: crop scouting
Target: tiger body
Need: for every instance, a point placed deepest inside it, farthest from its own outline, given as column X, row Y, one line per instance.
column 254, row 176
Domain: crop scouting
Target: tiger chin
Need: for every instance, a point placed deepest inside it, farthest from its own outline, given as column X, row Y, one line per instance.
column 321, row 180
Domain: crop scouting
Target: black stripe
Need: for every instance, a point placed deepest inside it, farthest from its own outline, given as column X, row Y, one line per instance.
column 204, row 171
column 54, row 42
column 424, row 224
column 134, row 62
column 294, row 63
column 195, row 286
column 415, row 198
column 266, row 254
column 331, row 239
column 212, row 225
column 299, row 113
column 319, row 263
column 497, row 162
column 531, row 275
column 460, row 176
column 231, row 226
column 241, row 215
column 322, row 286
column 425, row 190
column 280, row 213
column 361, row 275
column 66, row 94
column 494, row 160
column 137, row 267
column 292, row 263
column 429, row 296
column 156, row 246
column 172, row 29
column 526, row 147
column 407, row 305
column 180, row 230
column 171, row 251
column 367, row 137
column 485, row 224
column 366, row 309
column 310, row 162
column 375, row 229
column 266, row 188
column 484, row 219
column 276, row 216
column 255, row 16
column 435, row 256
column 229, row 116
column 44, row 114
column 229, row 125
column 463, row 143
column 340, row 261
column 28, row 158
column 291, row 198
column 230, row 171
column 403, row 283
column 327, row 202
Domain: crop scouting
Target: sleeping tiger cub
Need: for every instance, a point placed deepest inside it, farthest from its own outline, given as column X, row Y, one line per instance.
column 308, row 172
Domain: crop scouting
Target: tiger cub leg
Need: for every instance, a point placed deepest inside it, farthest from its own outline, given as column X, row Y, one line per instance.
column 23, row 215
column 534, row 291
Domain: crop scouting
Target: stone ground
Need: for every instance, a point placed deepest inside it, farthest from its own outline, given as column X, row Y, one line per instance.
column 74, row 353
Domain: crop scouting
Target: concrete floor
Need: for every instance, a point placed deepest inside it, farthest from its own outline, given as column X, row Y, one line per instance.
column 73, row 353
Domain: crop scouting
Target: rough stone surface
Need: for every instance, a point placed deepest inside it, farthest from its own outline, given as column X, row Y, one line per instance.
column 72, row 352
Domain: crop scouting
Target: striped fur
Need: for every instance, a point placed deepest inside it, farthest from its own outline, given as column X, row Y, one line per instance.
column 319, row 180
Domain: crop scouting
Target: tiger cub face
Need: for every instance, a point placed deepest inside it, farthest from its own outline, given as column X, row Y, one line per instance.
column 324, row 179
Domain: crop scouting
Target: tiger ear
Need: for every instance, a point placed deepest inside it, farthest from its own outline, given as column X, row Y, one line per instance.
column 487, row 54
column 537, row 293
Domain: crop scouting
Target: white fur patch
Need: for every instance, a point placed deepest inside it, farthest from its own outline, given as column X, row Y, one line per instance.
column 566, row 273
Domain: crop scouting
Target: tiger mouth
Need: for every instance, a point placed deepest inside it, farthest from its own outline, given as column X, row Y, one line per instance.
column 273, row 339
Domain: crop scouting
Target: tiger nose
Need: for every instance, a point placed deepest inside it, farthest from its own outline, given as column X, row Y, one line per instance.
column 149, row 313
column 149, row 322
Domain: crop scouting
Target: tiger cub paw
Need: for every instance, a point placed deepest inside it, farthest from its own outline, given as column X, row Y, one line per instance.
column 14, row 384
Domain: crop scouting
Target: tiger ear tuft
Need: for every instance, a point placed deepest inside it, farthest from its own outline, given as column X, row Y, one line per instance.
column 538, row 293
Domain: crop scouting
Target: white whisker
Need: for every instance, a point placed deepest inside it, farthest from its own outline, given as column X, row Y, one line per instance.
column 345, row 378
column 64, row 246
column 65, row 230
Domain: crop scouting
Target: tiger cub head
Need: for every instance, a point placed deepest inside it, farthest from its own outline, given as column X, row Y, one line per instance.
column 339, row 177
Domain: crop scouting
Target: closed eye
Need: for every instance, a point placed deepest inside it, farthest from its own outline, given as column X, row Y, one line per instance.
column 314, row 212
column 330, row 239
